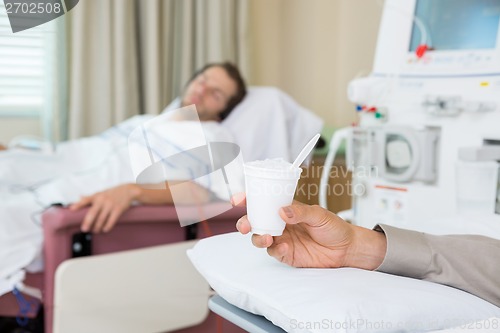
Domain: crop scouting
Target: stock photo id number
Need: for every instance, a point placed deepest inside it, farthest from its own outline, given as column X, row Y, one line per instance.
column 27, row 14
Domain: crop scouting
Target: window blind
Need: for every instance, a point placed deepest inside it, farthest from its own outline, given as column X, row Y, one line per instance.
column 23, row 59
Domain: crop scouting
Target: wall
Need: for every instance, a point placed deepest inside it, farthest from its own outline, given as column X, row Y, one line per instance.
column 312, row 49
column 309, row 48
column 11, row 127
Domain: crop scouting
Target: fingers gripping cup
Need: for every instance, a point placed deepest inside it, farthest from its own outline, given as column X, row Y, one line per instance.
column 270, row 185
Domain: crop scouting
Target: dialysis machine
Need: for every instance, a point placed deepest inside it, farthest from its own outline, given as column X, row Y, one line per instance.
column 427, row 146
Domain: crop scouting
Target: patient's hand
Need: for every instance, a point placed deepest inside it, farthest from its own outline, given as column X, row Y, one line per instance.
column 106, row 207
column 315, row 237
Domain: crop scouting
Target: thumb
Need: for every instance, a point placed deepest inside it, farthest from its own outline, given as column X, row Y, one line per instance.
column 84, row 201
column 314, row 216
column 239, row 199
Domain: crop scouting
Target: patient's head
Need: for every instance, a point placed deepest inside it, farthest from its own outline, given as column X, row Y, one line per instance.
column 215, row 89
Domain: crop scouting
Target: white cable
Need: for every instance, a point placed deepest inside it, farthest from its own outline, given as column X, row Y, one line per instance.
column 31, row 291
column 424, row 36
column 335, row 142
column 423, row 31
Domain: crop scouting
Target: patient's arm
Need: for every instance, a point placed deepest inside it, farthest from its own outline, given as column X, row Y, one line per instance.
column 108, row 205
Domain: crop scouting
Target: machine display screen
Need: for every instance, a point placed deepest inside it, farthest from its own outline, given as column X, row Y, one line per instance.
column 457, row 24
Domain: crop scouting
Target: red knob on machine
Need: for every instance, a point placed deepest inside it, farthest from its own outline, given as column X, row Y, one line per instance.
column 421, row 49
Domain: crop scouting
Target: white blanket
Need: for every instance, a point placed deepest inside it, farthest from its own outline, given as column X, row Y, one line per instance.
column 30, row 182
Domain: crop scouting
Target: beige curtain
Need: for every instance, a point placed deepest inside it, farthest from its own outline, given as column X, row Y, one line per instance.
column 103, row 73
column 133, row 56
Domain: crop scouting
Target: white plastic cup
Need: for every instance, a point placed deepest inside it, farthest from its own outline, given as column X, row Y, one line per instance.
column 267, row 190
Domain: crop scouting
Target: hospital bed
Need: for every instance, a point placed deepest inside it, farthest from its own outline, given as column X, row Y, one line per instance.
column 424, row 155
column 265, row 110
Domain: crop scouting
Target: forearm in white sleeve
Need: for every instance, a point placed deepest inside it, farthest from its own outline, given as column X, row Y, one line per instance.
column 467, row 262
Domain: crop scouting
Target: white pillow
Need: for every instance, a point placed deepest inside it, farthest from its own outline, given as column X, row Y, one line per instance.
column 329, row 300
column 269, row 123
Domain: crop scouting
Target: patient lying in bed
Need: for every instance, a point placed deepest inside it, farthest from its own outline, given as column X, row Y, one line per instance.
column 214, row 91
column 29, row 182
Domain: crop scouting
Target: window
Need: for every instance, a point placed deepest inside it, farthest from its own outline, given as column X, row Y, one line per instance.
column 21, row 70
column 33, row 74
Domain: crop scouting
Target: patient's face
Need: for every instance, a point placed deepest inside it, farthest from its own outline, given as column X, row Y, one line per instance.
column 210, row 91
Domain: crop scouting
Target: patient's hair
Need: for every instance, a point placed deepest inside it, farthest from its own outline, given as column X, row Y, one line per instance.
column 234, row 74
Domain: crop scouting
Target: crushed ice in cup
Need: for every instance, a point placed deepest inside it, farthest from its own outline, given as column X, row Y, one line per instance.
column 271, row 163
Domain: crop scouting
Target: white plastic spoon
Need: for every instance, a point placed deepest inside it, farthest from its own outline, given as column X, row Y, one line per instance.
column 305, row 151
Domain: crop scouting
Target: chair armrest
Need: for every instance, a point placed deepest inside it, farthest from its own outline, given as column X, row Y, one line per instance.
column 140, row 226
column 59, row 219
